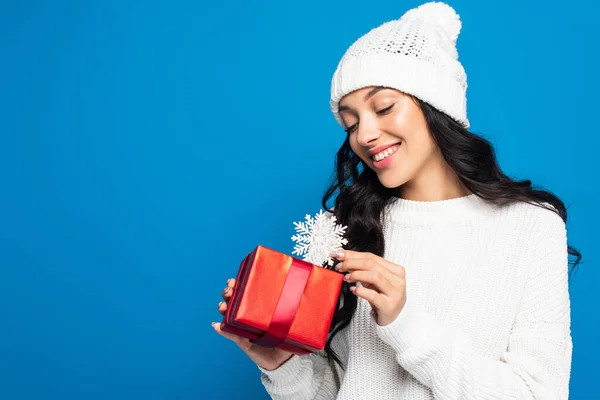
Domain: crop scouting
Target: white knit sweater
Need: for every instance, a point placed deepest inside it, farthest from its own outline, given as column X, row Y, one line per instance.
column 487, row 313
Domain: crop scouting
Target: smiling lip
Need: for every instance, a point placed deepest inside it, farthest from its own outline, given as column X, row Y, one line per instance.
column 379, row 149
column 388, row 155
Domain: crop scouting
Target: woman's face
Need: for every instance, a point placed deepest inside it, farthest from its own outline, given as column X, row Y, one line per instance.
column 387, row 130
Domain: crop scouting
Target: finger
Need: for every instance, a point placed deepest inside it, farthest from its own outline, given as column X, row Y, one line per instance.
column 217, row 327
column 372, row 280
column 228, row 291
column 358, row 255
column 222, row 307
column 375, row 299
column 359, row 264
column 364, row 263
column 240, row 341
column 349, row 255
column 369, row 261
column 370, row 264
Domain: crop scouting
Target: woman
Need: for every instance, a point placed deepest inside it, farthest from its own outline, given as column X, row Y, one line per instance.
column 463, row 272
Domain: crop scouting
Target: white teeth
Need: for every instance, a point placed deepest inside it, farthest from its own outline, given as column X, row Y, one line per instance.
column 384, row 154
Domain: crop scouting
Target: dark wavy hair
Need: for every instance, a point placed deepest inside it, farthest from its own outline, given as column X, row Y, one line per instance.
column 360, row 198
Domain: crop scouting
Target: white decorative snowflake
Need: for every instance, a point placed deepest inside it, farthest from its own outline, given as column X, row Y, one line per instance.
column 318, row 237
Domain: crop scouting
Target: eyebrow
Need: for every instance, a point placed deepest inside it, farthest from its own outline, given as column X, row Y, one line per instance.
column 370, row 94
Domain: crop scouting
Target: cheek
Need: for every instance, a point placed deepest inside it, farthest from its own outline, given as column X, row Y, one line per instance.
column 410, row 123
column 419, row 143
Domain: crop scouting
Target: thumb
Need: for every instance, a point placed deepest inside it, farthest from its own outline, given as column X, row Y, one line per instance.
column 240, row 341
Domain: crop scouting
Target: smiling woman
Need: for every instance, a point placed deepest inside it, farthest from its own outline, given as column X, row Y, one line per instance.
column 387, row 130
column 463, row 271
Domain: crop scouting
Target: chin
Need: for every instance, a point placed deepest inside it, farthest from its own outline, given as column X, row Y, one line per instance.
column 392, row 185
column 391, row 182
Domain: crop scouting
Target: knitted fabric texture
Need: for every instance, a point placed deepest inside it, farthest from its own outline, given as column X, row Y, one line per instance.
column 487, row 313
column 415, row 54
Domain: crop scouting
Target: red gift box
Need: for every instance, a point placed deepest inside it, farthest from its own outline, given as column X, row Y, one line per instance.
column 283, row 302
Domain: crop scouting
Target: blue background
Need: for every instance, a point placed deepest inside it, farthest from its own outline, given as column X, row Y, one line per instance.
column 147, row 146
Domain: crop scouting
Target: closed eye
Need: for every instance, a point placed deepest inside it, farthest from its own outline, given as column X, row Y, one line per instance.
column 385, row 110
column 351, row 129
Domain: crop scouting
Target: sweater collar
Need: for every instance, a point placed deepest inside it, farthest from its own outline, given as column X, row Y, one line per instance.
column 433, row 212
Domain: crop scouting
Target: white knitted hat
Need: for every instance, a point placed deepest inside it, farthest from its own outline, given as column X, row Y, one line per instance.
column 415, row 54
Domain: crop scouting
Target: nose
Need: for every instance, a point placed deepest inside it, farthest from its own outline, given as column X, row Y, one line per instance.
column 368, row 132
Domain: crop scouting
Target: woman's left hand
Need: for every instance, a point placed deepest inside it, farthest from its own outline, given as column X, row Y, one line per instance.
column 383, row 282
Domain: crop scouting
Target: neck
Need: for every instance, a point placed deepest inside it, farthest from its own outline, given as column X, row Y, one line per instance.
column 435, row 182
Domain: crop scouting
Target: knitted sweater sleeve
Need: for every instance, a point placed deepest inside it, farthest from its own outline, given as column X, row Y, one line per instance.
column 306, row 377
column 537, row 360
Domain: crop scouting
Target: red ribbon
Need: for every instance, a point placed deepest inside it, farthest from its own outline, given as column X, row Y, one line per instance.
column 287, row 305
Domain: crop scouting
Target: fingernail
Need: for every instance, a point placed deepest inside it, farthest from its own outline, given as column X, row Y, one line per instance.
column 347, row 277
column 221, row 303
column 338, row 267
column 353, row 289
column 229, row 281
column 339, row 254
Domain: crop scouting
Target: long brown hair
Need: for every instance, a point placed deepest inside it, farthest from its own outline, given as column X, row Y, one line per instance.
column 360, row 198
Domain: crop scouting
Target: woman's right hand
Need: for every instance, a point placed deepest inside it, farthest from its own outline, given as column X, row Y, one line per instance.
column 267, row 358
